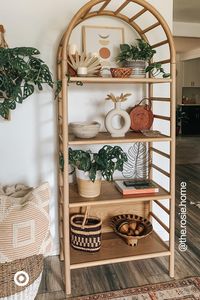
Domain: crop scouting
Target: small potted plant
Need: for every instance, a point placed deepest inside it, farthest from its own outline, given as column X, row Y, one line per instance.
column 91, row 167
column 180, row 117
column 138, row 57
column 21, row 72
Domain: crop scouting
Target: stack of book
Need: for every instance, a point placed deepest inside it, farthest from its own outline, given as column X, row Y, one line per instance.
column 135, row 187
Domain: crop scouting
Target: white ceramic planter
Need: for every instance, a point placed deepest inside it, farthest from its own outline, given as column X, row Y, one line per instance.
column 86, row 187
column 138, row 68
column 117, row 111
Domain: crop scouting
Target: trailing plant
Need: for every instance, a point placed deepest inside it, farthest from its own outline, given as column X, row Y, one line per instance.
column 69, row 80
column 107, row 161
column 142, row 50
column 20, row 72
column 155, row 69
column 180, row 115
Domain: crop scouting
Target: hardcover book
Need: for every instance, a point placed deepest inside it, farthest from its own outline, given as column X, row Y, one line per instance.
column 132, row 187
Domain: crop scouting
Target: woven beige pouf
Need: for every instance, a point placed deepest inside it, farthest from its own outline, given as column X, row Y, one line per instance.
column 20, row 279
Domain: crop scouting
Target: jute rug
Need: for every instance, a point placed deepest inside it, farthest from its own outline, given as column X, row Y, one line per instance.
column 186, row 289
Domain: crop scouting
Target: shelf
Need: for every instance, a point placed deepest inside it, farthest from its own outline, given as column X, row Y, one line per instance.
column 117, row 80
column 114, row 250
column 110, row 195
column 105, row 138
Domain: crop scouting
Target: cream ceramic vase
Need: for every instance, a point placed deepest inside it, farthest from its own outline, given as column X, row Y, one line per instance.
column 117, row 111
column 86, row 187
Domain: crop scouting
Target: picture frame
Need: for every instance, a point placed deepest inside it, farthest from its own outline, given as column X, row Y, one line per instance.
column 104, row 42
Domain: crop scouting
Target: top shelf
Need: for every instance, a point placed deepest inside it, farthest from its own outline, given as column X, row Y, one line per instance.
column 121, row 80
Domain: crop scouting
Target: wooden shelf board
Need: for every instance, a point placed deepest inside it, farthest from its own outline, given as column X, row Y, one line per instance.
column 104, row 137
column 119, row 80
column 115, row 250
column 110, row 195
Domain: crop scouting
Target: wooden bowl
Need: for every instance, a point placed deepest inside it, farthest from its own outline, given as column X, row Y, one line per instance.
column 121, row 72
column 85, row 130
column 131, row 240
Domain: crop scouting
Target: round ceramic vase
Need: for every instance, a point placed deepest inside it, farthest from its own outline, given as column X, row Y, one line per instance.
column 117, row 111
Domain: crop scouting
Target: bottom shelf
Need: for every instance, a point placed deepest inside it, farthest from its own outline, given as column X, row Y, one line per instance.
column 114, row 250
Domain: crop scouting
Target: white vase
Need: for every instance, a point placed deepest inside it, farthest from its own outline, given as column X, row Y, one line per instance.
column 117, row 111
column 86, row 187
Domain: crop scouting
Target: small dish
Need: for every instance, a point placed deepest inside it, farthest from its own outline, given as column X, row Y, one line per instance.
column 85, row 130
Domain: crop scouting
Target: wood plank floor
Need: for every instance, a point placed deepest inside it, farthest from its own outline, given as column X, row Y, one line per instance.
column 132, row 274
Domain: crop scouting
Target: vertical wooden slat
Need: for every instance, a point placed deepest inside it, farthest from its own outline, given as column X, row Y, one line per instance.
column 66, row 229
column 172, row 168
column 150, row 145
column 60, row 150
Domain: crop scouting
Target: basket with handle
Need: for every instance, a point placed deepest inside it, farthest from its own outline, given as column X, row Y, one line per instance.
column 141, row 115
column 86, row 232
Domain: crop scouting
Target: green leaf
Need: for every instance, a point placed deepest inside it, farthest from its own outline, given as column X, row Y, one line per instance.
column 24, row 51
column 16, row 95
column 28, row 90
column 124, row 47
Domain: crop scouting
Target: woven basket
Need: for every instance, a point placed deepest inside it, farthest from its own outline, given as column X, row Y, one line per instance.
column 121, row 72
column 131, row 240
column 9, row 280
column 86, row 233
column 142, row 116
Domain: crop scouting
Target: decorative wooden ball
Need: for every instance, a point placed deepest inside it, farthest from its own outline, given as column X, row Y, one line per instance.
column 124, row 228
column 140, row 229
column 132, row 225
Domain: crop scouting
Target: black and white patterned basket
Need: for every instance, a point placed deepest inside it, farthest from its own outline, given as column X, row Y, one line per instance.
column 85, row 233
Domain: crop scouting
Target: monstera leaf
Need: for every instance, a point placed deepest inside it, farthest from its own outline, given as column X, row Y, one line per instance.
column 137, row 166
column 20, row 73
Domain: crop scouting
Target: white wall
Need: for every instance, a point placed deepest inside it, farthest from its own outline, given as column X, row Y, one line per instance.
column 28, row 142
column 186, row 29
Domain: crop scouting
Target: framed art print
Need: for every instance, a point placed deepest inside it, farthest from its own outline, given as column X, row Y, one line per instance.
column 103, row 42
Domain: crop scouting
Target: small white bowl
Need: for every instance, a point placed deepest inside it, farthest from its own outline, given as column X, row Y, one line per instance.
column 85, row 130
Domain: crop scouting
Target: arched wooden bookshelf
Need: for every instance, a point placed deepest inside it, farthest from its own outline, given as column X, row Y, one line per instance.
column 152, row 246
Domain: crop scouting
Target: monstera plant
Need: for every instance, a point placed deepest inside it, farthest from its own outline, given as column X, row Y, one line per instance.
column 21, row 71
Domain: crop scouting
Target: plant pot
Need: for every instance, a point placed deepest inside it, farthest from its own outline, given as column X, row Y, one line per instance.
column 86, row 187
column 138, row 67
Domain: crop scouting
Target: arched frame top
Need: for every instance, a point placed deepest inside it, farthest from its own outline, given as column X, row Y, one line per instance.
column 85, row 13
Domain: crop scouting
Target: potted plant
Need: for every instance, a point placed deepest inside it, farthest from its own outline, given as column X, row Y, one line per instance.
column 20, row 72
column 91, row 167
column 138, row 57
column 180, row 117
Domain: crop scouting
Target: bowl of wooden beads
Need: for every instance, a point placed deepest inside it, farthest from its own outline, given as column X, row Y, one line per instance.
column 131, row 228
